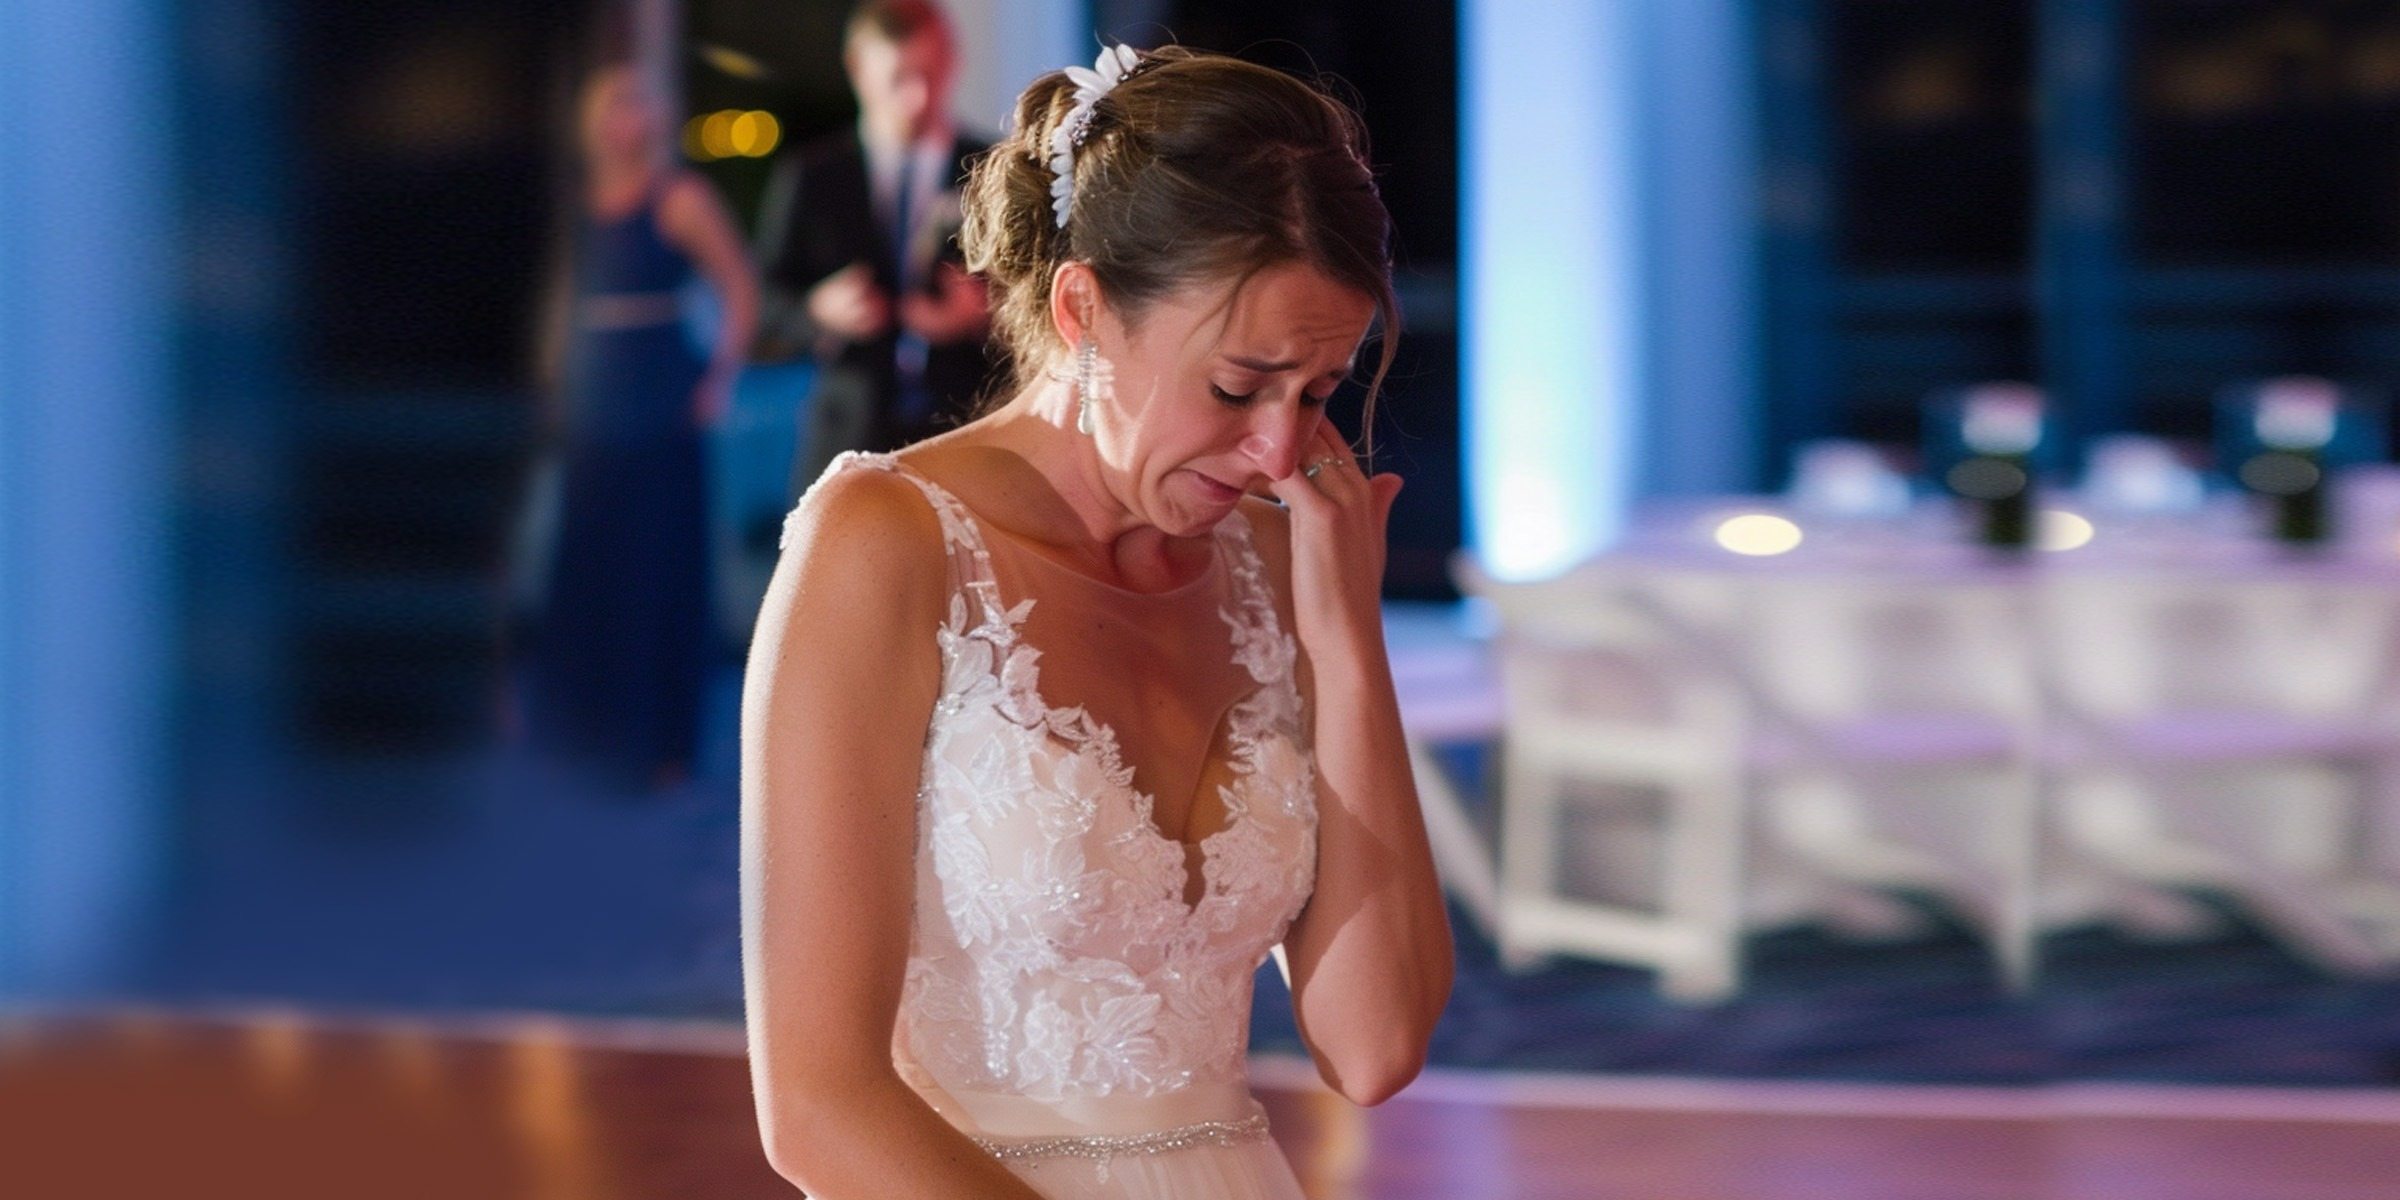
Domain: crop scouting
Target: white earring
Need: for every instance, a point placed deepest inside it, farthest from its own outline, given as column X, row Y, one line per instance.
column 1090, row 380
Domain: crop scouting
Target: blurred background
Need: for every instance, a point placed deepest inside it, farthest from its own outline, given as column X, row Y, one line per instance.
column 1897, row 577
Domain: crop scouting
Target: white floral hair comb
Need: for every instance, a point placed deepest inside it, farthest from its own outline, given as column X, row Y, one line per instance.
column 1114, row 65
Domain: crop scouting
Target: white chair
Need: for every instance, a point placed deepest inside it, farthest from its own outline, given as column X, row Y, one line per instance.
column 1898, row 720
column 1598, row 692
column 1448, row 696
column 1823, row 710
column 2235, row 730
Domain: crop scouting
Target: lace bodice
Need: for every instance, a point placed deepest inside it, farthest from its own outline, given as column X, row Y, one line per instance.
column 1055, row 954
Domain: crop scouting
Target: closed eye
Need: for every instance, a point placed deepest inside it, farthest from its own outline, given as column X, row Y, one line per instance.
column 1238, row 400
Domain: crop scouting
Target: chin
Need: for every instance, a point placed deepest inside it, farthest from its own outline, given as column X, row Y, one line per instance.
column 1190, row 521
column 1206, row 502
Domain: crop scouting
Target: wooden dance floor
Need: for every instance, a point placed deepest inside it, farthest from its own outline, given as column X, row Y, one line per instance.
column 268, row 1107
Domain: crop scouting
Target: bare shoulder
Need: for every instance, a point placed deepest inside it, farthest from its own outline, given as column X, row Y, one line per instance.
column 863, row 548
column 867, row 518
column 685, row 191
column 688, row 205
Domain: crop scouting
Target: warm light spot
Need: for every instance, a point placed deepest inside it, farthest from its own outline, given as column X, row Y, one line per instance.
column 694, row 147
column 2058, row 529
column 716, row 133
column 1337, row 1161
column 278, row 1046
column 415, row 1058
column 753, row 134
column 553, row 1118
column 731, row 61
column 1758, row 534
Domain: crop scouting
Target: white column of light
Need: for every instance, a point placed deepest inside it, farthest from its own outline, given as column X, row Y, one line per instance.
column 87, row 280
column 1004, row 44
column 1551, row 325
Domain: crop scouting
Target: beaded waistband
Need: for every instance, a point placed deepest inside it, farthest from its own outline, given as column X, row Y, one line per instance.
column 1103, row 1148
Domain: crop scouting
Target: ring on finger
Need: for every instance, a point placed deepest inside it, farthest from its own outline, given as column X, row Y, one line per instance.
column 1310, row 471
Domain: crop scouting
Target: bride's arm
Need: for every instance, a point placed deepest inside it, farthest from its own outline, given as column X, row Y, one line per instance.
column 1370, row 956
column 842, row 680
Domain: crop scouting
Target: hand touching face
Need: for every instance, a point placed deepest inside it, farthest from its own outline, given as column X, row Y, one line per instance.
column 1220, row 390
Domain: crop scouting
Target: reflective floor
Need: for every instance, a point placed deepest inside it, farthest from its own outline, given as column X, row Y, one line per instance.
column 269, row 1106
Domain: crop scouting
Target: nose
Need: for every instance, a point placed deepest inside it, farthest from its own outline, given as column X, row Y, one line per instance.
column 1274, row 440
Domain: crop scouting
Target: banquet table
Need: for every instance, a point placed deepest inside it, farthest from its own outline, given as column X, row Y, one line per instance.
column 2145, row 709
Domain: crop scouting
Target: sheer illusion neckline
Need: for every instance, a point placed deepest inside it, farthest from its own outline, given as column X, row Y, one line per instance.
column 1029, row 548
column 1077, row 731
column 1193, row 886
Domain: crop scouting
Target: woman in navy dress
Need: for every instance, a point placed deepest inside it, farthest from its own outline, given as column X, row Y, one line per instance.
column 623, row 637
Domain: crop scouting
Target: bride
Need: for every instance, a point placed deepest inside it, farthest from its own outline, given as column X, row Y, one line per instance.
column 1058, row 723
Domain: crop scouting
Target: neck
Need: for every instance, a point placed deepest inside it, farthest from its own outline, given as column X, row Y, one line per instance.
column 1083, row 509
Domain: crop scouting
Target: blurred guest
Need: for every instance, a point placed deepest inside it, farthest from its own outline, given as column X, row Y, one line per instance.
column 622, row 636
column 857, row 242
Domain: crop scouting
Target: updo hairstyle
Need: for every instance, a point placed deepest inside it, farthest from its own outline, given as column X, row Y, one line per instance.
column 1196, row 168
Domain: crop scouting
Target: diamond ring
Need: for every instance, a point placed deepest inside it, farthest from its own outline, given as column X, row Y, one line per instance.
column 1310, row 471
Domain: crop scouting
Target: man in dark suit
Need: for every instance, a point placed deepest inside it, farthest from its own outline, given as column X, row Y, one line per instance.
column 859, row 251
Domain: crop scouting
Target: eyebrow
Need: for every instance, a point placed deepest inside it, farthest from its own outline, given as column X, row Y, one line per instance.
column 1264, row 367
column 1260, row 365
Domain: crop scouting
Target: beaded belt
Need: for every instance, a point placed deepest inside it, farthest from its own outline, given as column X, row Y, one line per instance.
column 1103, row 1148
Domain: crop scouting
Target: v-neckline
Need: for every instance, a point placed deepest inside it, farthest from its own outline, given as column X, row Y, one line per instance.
column 1054, row 723
column 1193, row 887
column 1193, row 884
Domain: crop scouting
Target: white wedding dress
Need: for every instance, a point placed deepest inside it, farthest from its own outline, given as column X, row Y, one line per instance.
column 1078, row 988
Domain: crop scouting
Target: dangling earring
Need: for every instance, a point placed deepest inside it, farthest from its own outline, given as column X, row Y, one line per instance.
column 1087, row 379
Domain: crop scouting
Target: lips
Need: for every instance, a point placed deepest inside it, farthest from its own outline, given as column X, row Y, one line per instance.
column 1215, row 491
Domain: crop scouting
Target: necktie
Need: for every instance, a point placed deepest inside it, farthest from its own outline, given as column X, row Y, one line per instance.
column 903, row 212
column 914, row 402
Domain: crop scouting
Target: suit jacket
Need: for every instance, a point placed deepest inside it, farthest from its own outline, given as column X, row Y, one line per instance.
column 819, row 216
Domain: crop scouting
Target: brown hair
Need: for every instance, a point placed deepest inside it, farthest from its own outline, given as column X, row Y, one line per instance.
column 1197, row 168
column 896, row 21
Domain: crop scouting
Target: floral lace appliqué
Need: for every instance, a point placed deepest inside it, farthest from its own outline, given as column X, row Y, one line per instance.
column 1053, row 952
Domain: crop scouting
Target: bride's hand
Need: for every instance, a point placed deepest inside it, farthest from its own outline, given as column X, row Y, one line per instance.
column 1338, row 519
